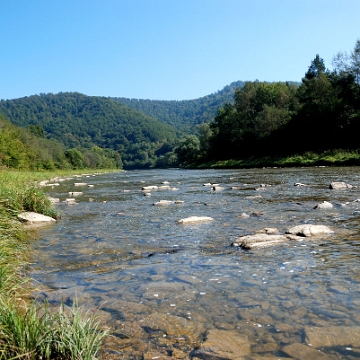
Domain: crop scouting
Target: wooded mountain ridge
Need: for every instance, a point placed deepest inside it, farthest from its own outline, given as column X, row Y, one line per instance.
column 140, row 130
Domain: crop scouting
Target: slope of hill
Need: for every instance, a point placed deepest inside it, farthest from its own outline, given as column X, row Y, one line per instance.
column 78, row 120
column 186, row 114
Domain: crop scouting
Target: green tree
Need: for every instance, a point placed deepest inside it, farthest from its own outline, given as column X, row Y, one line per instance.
column 187, row 149
column 75, row 158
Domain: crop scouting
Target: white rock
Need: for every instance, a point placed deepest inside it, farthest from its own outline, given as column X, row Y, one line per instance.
column 31, row 217
column 194, row 219
column 339, row 185
column 80, row 184
column 153, row 187
column 163, row 202
column 75, row 193
column 70, row 201
column 324, row 205
column 309, row 230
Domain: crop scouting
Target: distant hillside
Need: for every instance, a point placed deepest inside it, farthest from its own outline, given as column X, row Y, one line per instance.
column 78, row 120
column 185, row 114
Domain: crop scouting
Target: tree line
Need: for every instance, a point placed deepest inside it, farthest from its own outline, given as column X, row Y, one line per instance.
column 27, row 148
column 89, row 123
column 282, row 118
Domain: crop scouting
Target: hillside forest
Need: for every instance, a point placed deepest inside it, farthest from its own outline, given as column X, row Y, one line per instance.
column 244, row 120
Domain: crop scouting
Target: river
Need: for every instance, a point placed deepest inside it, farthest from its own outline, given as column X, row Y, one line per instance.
column 169, row 290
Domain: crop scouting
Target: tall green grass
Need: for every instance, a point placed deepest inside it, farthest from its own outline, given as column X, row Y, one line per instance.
column 27, row 330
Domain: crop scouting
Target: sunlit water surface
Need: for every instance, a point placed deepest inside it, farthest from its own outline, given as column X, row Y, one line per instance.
column 162, row 286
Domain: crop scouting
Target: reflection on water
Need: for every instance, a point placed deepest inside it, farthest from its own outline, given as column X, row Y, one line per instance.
column 164, row 287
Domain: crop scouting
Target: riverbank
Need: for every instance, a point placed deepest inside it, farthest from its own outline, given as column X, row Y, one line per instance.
column 327, row 158
column 27, row 330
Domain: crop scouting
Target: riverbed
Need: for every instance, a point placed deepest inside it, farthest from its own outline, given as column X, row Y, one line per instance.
column 170, row 290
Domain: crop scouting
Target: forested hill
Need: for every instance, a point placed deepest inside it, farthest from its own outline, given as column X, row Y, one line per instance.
column 79, row 121
column 185, row 114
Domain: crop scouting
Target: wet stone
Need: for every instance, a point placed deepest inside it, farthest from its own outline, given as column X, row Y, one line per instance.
column 300, row 351
column 327, row 336
column 268, row 347
column 224, row 345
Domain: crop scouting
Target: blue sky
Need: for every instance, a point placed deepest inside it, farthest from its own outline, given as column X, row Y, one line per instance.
column 165, row 49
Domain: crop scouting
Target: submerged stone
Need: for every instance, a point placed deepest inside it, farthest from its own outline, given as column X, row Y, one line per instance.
column 327, row 336
column 224, row 345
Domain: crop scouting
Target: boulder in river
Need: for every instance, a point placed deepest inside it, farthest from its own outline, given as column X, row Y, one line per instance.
column 299, row 184
column 307, row 230
column 324, row 205
column 261, row 240
column 194, row 219
column 340, row 185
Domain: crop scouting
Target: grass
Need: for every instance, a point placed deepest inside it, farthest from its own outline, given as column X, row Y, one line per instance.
column 29, row 331
column 336, row 157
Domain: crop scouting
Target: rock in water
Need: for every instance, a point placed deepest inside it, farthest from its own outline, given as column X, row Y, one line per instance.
column 327, row 336
column 324, row 205
column 309, row 230
column 340, row 185
column 300, row 351
column 224, row 345
column 194, row 219
column 248, row 242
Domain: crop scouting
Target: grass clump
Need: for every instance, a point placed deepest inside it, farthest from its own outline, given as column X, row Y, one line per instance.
column 29, row 331
column 42, row 333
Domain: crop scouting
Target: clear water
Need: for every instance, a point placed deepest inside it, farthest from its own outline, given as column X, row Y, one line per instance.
column 161, row 285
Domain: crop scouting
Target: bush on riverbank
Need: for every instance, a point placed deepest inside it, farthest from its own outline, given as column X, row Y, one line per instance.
column 27, row 330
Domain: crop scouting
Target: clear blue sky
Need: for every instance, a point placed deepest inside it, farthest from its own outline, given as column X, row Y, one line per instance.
column 165, row 49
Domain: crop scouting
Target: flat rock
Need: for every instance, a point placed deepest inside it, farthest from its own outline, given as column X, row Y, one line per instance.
column 320, row 337
column 324, row 205
column 261, row 240
column 224, row 345
column 340, row 185
column 163, row 203
column 80, row 184
column 300, row 351
column 34, row 218
column 147, row 188
column 194, row 219
column 309, row 230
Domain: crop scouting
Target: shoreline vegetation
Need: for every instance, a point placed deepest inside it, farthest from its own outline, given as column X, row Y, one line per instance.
column 336, row 157
column 29, row 330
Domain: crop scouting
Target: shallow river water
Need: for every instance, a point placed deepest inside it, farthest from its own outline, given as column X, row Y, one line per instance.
column 170, row 290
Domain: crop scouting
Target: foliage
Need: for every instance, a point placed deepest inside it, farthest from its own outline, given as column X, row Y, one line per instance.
column 184, row 115
column 259, row 109
column 188, row 149
column 23, row 148
column 84, row 122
